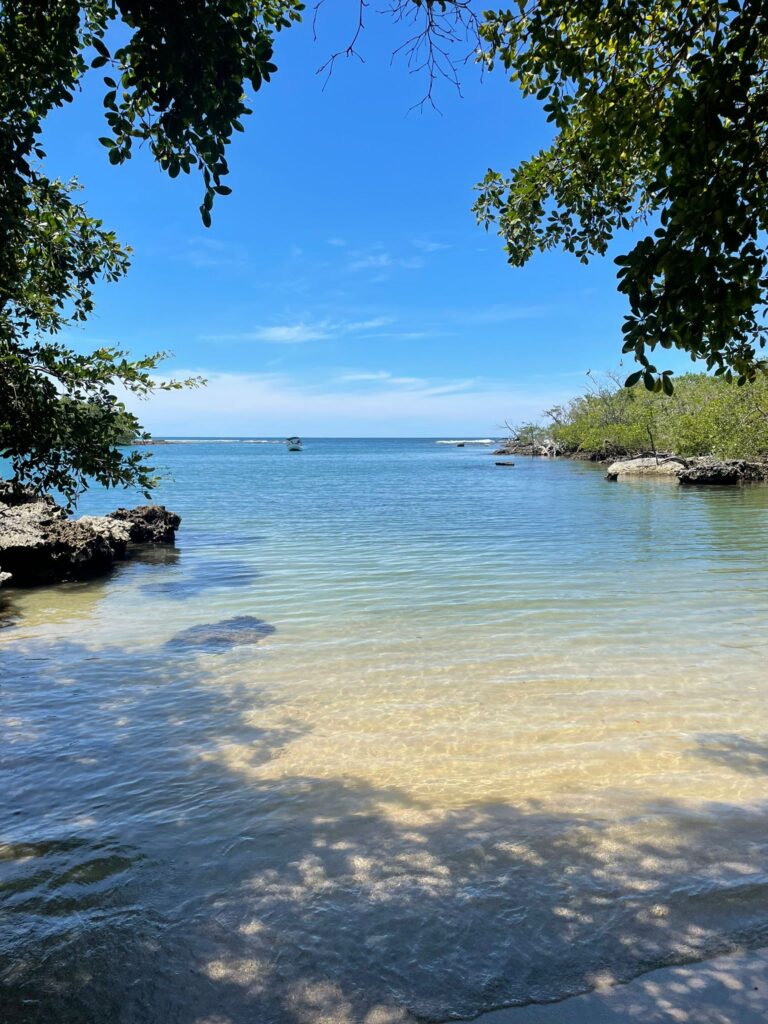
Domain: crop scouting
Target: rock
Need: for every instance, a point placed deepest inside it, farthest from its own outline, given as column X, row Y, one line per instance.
column 117, row 533
column 149, row 524
column 214, row 637
column 37, row 549
column 643, row 467
column 703, row 470
column 726, row 472
column 40, row 544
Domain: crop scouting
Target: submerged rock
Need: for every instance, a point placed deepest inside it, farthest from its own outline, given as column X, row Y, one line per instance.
column 39, row 543
column 214, row 637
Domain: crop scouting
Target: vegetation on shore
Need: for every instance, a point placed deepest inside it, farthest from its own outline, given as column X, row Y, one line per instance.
column 706, row 415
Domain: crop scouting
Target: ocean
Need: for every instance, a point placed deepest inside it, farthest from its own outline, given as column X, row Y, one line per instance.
column 391, row 732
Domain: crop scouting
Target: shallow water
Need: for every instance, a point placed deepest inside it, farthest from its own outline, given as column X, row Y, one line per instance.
column 393, row 730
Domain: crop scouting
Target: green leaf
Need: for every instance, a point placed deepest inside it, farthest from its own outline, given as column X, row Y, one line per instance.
column 99, row 46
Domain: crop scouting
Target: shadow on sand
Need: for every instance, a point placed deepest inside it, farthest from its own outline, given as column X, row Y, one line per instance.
column 151, row 872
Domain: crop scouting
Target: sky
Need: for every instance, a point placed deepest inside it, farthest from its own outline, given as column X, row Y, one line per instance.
column 344, row 288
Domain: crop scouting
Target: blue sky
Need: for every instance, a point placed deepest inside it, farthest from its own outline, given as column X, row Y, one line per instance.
column 344, row 288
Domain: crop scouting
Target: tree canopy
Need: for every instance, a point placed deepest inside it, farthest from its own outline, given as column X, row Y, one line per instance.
column 660, row 112
column 705, row 415
column 177, row 81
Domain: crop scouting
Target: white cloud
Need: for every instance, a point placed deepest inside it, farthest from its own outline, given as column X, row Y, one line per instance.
column 367, row 325
column 427, row 245
column 378, row 375
column 339, row 242
column 379, row 260
column 363, row 375
column 237, row 404
column 288, row 334
column 296, row 333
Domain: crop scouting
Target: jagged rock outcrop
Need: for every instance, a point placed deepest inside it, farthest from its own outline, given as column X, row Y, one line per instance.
column 704, row 470
column 148, row 524
column 732, row 471
column 39, row 543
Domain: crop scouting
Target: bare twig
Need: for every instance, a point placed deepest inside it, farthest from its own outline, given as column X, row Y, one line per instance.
column 349, row 50
column 439, row 27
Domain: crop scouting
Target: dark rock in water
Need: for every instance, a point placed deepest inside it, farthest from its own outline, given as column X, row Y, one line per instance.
column 39, row 543
column 212, row 637
column 736, row 471
column 149, row 524
column 505, row 463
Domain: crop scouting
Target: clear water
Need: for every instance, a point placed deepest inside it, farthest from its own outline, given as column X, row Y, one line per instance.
column 393, row 731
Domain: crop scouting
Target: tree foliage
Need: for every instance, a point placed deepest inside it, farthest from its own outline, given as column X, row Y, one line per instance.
column 706, row 415
column 176, row 81
column 660, row 112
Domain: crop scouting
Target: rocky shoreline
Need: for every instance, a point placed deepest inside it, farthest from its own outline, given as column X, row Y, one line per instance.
column 702, row 470
column 40, row 543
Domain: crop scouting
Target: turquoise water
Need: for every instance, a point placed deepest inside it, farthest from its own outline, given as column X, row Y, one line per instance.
column 392, row 731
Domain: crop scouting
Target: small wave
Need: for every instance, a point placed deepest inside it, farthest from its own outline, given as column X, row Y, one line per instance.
column 468, row 440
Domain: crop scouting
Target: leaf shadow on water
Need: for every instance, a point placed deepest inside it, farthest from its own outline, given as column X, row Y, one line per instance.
column 739, row 753
column 153, row 873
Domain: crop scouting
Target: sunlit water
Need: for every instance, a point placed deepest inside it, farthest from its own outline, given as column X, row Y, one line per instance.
column 392, row 731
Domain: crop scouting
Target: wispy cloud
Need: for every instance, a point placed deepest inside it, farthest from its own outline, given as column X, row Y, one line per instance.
column 382, row 260
column 365, row 376
column 339, row 242
column 367, row 325
column 276, row 404
column 289, row 334
column 303, row 331
column 428, row 245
